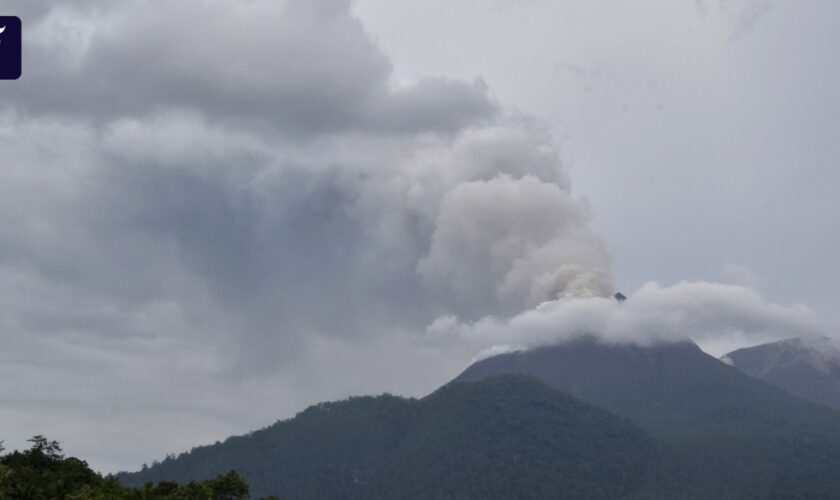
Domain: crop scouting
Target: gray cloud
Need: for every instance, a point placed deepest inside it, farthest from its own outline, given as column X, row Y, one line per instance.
column 303, row 67
column 245, row 213
column 741, row 16
column 273, row 232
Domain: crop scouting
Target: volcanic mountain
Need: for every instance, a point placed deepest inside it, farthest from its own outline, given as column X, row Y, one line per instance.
column 581, row 419
column 726, row 434
column 669, row 389
column 808, row 368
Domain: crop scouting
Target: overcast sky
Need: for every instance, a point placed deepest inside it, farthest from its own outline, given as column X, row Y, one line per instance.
column 215, row 213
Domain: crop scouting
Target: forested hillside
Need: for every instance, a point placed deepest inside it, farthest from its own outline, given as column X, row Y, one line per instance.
column 579, row 420
column 505, row 437
column 722, row 434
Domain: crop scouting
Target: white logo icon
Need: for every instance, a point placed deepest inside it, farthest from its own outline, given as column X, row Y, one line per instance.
column 2, row 30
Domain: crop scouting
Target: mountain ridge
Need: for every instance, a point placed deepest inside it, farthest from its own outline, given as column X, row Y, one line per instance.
column 678, row 422
column 505, row 437
column 806, row 368
column 723, row 433
column 662, row 387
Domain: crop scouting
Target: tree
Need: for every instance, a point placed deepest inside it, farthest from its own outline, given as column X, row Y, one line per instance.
column 43, row 447
column 43, row 473
column 230, row 486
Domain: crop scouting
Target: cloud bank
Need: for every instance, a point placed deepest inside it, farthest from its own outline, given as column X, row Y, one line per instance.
column 299, row 67
column 703, row 312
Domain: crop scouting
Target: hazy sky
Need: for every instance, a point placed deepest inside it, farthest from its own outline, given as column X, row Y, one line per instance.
column 215, row 213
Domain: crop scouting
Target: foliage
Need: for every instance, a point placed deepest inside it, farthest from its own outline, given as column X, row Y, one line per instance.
column 43, row 473
column 507, row 437
column 502, row 437
column 721, row 433
column 710, row 432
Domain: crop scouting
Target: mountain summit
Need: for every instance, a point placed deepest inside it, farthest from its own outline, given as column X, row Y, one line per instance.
column 722, row 433
column 582, row 419
column 669, row 388
column 808, row 368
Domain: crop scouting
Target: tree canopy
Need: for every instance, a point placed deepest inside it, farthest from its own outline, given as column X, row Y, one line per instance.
column 43, row 473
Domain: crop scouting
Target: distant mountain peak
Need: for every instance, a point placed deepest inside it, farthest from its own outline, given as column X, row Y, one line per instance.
column 820, row 353
column 806, row 367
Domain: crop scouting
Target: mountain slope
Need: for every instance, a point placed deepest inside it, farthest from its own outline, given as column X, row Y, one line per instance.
column 669, row 389
column 809, row 369
column 496, row 431
column 504, row 437
column 722, row 434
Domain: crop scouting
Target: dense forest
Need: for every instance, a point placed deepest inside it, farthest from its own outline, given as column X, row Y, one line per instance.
column 663, row 422
column 505, row 437
column 44, row 473
column 670, row 422
column 721, row 433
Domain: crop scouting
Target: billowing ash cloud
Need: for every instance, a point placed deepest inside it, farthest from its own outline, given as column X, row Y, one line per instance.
column 512, row 242
column 229, row 211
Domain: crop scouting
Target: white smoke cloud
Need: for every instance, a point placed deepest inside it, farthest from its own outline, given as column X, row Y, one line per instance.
column 703, row 312
column 508, row 243
column 494, row 350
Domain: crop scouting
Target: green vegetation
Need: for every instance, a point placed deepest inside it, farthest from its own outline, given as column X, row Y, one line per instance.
column 504, row 437
column 721, row 433
column 659, row 422
column 43, row 473
column 677, row 424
